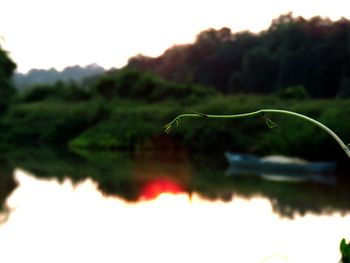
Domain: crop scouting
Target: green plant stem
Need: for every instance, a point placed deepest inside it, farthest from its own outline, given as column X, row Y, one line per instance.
column 262, row 112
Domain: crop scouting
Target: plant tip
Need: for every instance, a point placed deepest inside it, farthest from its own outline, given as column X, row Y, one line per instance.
column 167, row 127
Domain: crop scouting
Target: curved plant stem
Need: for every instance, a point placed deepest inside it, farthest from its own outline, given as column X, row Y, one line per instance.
column 262, row 113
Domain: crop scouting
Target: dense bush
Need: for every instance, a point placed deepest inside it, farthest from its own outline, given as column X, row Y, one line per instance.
column 132, row 84
column 128, row 126
column 58, row 91
column 49, row 122
column 293, row 92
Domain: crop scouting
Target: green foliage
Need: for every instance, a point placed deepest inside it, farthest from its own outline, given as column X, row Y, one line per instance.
column 125, row 128
column 36, row 93
column 48, row 121
column 293, row 136
column 293, row 93
column 345, row 251
column 124, row 124
column 112, row 85
column 292, row 52
column 59, row 91
column 109, row 135
column 259, row 71
column 133, row 84
column 124, row 114
column 7, row 91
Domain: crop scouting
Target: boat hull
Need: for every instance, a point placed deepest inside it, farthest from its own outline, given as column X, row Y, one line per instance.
column 255, row 163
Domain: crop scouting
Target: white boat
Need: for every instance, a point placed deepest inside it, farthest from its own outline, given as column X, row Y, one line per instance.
column 278, row 164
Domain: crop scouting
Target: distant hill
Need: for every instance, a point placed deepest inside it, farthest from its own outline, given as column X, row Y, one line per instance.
column 51, row 76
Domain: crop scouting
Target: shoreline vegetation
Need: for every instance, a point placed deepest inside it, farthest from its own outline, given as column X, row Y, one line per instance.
column 262, row 113
column 123, row 124
column 128, row 108
column 295, row 65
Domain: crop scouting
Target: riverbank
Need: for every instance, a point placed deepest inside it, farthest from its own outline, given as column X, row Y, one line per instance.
column 97, row 124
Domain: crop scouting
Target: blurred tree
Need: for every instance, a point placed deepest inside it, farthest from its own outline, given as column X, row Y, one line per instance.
column 7, row 67
column 259, row 71
column 7, row 183
column 293, row 92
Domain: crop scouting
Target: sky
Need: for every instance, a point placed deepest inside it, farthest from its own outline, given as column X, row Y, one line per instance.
column 59, row 33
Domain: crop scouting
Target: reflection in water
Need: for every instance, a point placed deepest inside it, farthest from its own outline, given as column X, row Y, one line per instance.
column 283, row 176
column 127, row 175
column 156, row 187
column 53, row 222
column 7, row 185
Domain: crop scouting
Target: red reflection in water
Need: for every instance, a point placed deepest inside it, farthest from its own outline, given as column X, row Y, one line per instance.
column 159, row 186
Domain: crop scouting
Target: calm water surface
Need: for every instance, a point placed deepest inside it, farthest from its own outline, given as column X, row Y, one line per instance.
column 52, row 221
column 163, row 207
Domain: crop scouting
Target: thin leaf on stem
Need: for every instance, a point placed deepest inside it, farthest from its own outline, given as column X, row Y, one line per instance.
column 269, row 122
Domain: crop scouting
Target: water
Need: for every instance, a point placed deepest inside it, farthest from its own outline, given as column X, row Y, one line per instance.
column 127, row 211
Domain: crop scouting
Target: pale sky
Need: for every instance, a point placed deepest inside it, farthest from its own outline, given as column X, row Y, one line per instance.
column 60, row 33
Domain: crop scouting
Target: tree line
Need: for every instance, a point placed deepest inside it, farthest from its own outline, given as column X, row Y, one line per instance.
column 293, row 52
column 120, row 109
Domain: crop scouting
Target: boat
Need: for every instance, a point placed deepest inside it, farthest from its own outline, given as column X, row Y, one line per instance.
column 278, row 164
column 281, row 176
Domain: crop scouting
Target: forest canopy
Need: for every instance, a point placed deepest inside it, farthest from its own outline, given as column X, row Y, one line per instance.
column 293, row 52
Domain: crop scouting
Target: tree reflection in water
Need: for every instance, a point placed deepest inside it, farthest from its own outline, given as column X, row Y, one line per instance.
column 127, row 175
column 67, row 222
column 7, row 185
